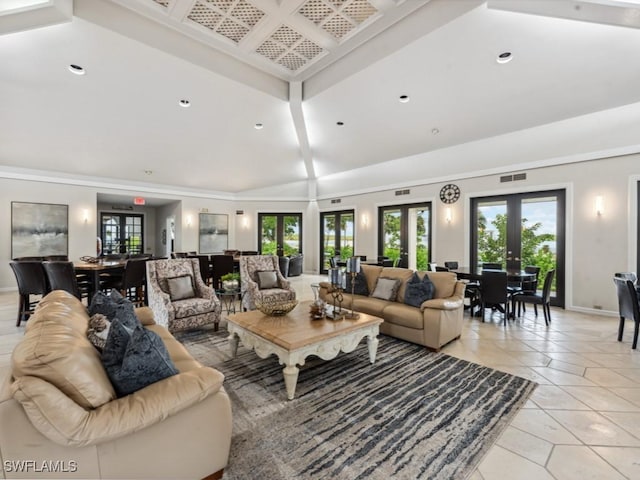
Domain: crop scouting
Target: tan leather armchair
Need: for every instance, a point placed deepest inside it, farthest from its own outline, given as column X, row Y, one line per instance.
column 60, row 418
column 176, row 315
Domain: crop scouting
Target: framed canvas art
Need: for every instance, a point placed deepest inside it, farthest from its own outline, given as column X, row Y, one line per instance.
column 213, row 233
column 39, row 229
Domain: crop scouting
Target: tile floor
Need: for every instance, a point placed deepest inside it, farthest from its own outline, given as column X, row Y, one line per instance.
column 583, row 420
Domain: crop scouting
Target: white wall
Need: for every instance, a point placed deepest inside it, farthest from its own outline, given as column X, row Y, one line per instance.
column 596, row 246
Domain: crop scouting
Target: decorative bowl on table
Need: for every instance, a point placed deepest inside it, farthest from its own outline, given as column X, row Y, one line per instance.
column 276, row 308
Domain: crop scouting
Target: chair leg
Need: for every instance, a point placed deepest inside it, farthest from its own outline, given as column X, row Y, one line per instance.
column 535, row 309
column 21, row 309
column 635, row 335
column 546, row 314
column 620, row 329
column 482, row 308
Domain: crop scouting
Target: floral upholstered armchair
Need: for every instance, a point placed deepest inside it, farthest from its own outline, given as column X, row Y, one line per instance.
column 180, row 300
column 260, row 278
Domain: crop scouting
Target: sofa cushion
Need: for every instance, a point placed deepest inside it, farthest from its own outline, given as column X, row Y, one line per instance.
column 402, row 274
column 445, row 283
column 359, row 284
column 193, row 306
column 135, row 358
column 369, row 305
column 181, row 287
column 404, row 315
column 56, row 349
column 267, row 279
column 386, row 289
column 418, row 290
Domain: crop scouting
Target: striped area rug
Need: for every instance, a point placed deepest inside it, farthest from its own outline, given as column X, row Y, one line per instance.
column 414, row 414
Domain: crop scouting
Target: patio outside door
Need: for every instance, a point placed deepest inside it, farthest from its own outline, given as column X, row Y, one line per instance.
column 520, row 230
column 405, row 234
column 336, row 236
column 121, row 233
column 280, row 233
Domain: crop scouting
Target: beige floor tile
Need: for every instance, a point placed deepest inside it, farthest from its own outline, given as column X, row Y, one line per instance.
column 542, row 346
column 552, row 397
column 475, row 476
column 625, row 460
column 501, row 463
column 594, row 429
column 526, row 445
column 606, row 377
column 630, row 394
column 540, row 424
column 574, row 359
column 625, row 420
column 524, row 372
column 513, row 346
column 567, row 367
column 569, row 462
column 558, row 377
column 630, row 373
column 619, row 360
column 532, row 359
column 599, row 398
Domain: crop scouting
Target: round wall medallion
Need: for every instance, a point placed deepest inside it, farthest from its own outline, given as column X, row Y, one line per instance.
column 450, row 193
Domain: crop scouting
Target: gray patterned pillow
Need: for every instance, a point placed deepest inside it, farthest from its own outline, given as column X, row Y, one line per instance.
column 135, row 358
column 98, row 330
column 386, row 288
column 418, row 290
column 114, row 305
column 181, row 288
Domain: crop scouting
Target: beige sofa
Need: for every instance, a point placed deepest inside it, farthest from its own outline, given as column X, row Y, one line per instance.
column 437, row 322
column 60, row 417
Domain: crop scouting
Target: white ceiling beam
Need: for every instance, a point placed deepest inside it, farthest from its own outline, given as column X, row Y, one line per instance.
column 50, row 13
column 295, row 105
column 596, row 11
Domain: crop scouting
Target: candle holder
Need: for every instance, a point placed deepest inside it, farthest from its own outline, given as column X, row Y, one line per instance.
column 336, row 277
column 353, row 268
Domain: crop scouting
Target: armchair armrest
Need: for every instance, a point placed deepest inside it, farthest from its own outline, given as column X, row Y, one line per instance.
column 450, row 303
column 145, row 315
column 63, row 421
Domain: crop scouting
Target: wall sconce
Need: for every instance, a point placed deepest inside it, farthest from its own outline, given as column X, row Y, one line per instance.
column 245, row 222
column 85, row 215
column 448, row 215
column 365, row 220
column 189, row 220
column 599, row 204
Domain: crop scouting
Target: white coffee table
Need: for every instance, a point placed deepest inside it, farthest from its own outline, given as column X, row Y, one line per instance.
column 293, row 337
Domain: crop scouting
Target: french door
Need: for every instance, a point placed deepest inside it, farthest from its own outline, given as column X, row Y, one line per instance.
column 336, row 236
column 519, row 230
column 280, row 233
column 404, row 234
column 121, row 233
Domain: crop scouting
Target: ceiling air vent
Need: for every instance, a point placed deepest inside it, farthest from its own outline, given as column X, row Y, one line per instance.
column 506, row 178
column 519, row 176
column 402, row 192
column 239, row 212
column 336, row 200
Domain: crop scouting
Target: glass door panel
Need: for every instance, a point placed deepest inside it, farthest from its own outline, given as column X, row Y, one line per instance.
column 280, row 233
column 405, row 235
column 491, row 246
column 336, row 236
column 121, row 233
column 539, row 238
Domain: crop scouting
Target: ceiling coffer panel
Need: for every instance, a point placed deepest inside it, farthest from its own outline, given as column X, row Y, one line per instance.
column 232, row 19
column 337, row 17
column 289, row 48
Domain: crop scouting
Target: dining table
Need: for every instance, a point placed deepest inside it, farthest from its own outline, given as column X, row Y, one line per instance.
column 513, row 275
column 94, row 269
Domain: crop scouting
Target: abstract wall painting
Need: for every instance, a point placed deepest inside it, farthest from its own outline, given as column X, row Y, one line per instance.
column 213, row 233
column 39, row 229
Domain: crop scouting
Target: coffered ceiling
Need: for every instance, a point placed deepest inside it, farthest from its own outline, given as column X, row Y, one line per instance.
column 299, row 98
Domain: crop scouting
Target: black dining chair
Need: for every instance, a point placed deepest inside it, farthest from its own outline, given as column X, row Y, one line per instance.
column 493, row 292
column 451, row 265
column 221, row 265
column 529, row 286
column 627, row 307
column 441, row 269
column 31, row 280
column 62, row 276
column 133, row 281
column 491, row 266
column 543, row 299
column 205, row 268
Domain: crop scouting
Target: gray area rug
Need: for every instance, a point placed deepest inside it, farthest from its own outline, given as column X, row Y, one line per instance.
column 414, row 414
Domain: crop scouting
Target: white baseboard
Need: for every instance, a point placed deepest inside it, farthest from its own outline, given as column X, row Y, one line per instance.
column 593, row 311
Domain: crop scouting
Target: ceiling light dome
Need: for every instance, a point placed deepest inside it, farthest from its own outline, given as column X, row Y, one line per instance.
column 504, row 57
column 184, row 103
column 404, row 99
column 258, row 126
column 76, row 69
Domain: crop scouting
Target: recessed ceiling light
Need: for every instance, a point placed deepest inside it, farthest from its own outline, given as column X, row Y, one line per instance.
column 148, row 172
column 77, row 69
column 340, row 124
column 404, row 99
column 184, row 103
column 435, row 131
column 258, row 126
column 504, row 57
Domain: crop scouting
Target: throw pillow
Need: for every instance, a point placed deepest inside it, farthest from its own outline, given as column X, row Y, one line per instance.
column 181, row 287
column 360, row 284
column 135, row 358
column 114, row 305
column 418, row 290
column 386, row 288
column 267, row 279
column 98, row 330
